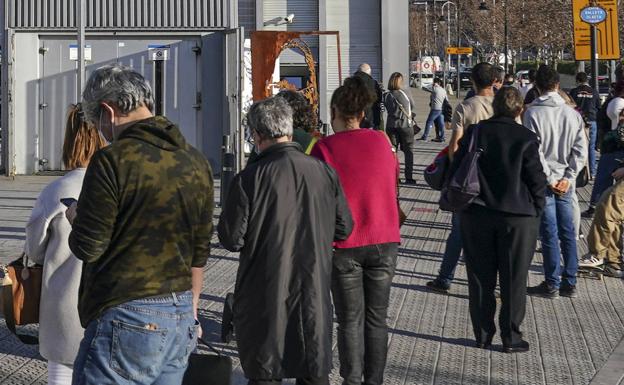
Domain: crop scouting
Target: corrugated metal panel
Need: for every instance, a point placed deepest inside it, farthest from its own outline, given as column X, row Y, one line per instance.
column 365, row 36
column 247, row 15
column 306, row 19
column 119, row 14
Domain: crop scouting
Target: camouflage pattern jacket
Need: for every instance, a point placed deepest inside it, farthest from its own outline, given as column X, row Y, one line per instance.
column 144, row 217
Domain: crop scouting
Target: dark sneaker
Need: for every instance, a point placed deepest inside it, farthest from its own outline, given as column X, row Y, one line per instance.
column 568, row 291
column 438, row 140
column 544, row 289
column 614, row 270
column 410, row 181
column 589, row 213
column 438, row 286
column 520, row 347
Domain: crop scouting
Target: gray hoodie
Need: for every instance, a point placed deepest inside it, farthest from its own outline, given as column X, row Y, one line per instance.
column 563, row 146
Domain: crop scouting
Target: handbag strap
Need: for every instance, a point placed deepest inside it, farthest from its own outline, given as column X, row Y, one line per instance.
column 205, row 343
column 474, row 137
column 9, row 316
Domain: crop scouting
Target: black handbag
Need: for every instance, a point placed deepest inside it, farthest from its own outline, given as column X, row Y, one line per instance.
column 582, row 179
column 208, row 369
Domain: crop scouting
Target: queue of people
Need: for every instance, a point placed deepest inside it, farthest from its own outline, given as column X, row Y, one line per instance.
column 314, row 221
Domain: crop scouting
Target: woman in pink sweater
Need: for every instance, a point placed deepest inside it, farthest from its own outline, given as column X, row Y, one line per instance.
column 364, row 263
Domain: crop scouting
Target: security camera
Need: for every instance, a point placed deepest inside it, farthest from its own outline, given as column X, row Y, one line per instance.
column 290, row 18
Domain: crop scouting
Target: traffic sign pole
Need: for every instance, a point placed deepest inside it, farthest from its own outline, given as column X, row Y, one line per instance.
column 594, row 58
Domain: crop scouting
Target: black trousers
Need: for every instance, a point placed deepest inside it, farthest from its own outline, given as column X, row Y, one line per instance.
column 495, row 243
column 403, row 138
column 300, row 381
column 361, row 281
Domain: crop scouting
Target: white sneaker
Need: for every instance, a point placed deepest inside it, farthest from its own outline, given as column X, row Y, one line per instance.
column 590, row 261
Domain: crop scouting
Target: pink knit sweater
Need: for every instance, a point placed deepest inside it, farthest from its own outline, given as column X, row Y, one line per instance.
column 368, row 171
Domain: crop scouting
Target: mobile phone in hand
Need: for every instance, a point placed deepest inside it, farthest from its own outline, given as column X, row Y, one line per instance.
column 68, row 201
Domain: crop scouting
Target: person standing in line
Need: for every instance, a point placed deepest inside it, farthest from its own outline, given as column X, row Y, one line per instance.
column 400, row 126
column 524, row 90
column 499, row 230
column 364, row 263
column 282, row 214
column 609, row 154
column 563, row 151
column 142, row 228
column 436, row 101
column 372, row 118
column 304, row 122
column 469, row 112
column 587, row 102
column 47, row 234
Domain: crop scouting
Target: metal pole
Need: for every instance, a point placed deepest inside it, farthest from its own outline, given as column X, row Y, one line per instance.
column 426, row 28
column 594, row 58
column 612, row 71
column 448, row 40
column 81, row 21
column 458, row 56
column 506, row 41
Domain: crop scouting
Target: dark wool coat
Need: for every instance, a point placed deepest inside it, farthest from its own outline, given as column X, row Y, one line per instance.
column 282, row 213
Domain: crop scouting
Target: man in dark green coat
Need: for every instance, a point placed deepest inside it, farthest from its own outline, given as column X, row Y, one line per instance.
column 142, row 228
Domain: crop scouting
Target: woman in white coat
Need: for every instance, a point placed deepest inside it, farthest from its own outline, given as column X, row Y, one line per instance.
column 47, row 234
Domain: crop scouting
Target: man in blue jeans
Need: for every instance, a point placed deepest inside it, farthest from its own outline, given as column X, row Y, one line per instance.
column 587, row 101
column 438, row 95
column 469, row 112
column 563, row 151
column 142, row 228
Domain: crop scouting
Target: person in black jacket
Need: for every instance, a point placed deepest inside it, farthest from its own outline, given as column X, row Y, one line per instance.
column 372, row 115
column 587, row 102
column 499, row 230
column 282, row 213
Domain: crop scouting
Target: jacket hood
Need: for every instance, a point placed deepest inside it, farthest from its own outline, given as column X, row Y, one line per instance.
column 157, row 131
column 551, row 99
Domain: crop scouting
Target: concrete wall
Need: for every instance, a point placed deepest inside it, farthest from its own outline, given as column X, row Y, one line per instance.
column 395, row 37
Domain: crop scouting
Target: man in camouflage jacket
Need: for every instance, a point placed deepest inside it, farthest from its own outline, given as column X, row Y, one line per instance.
column 142, row 227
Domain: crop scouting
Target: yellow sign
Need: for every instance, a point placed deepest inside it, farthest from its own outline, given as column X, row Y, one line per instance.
column 608, row 37
column 459, row 50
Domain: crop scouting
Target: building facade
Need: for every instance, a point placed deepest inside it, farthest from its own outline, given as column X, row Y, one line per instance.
column 371, row 31
column 189, row 50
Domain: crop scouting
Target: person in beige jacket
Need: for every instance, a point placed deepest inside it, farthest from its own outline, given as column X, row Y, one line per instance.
column 47, row 234
column 605, row 235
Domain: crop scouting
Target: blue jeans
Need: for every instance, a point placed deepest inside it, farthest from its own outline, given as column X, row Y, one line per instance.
column 603, row 180
column 146, row 341
column 451, row 253
column 435, row 116
column 593, row 131
column 559, row 239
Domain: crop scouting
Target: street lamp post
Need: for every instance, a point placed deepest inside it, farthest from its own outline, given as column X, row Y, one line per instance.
column 448, row 34
column 484, row 10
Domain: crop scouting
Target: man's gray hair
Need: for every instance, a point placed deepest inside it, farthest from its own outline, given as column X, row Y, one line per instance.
column 271, row 118
column 120, row 86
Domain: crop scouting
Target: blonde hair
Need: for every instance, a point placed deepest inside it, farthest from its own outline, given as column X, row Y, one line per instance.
column 81, row 141
column 395, row 81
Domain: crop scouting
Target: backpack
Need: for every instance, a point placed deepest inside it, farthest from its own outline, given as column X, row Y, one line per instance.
column 464, row 187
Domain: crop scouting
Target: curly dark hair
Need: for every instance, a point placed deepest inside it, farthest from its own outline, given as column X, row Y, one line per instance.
column 303, row 115
column 352, row 98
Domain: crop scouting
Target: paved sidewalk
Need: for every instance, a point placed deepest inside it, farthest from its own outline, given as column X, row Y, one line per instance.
column 431, row 339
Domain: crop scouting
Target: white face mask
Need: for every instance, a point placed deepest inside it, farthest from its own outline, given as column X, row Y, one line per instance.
column 112, row 129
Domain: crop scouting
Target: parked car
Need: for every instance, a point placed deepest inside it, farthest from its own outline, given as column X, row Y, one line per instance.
column 464, row 80
column 522, row 77
column 421, row 80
